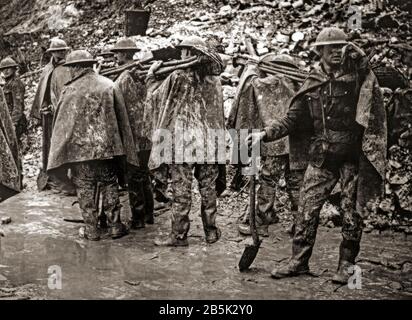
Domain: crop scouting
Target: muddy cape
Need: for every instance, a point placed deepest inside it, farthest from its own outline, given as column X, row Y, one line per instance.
column 258, row 101
column 91, row 123
column 183, row 104
column 189, row 103
column 371, row 115
column 51, row 83
column 10, row 172
column 134, row 94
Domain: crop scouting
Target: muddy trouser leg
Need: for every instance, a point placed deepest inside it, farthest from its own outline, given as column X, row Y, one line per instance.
column 207, row 176
column 294, row 179
column 237, row 181
column 318, row 183
column 148, row 197
column 160, row 177
column 144, row 172
column 110, row 192
column 273, row 168
column 352, row 221
column 182, row 177
column 85, row 184
column 136, row 197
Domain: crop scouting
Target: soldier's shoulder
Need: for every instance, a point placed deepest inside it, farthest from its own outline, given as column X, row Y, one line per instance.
column 103, row 81
column 124, row 76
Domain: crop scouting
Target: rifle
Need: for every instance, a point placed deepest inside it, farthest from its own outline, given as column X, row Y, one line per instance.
column 272, row 68
column 142, row 69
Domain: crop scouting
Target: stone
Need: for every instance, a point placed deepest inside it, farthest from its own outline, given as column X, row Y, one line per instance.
column 386, row 205
column 395, row 285
column 395, row 164
column 407, row 267
column 5, row 220
column 282, row 38
column 398, row 179
column 298, row 36
column 262, row 51
column 297, row 4
column 285, row 5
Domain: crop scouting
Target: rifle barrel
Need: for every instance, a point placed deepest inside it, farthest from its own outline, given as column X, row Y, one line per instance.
column 146, row 67
column 293, row 76
column 188, row 63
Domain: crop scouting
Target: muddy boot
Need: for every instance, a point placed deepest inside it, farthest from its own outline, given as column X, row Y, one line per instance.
column 116, row 227
column 262, row 227
column 118, row 230
column 148, row 202
column 348, row 251
column 244, row 229
column 213, row 235
column 90, row 230
column 138, row 220
column 90, row 233
column 292, row 269
column 299, row 263
column 149, row 219
column 103, row 221
column 171, row 241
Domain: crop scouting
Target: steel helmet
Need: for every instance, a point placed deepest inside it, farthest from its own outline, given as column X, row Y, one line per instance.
column 192, row 42
column 330, row 35
column 106, row 53
column 283, row 59
column 79, row 57
column 57, row 45
column 125, row 44
column 7, row 63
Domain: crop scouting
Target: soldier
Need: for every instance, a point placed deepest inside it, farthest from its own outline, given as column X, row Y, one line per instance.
column 260, row 99
column 106, row 60
column 134, row 93
column 51, row 83
column 189, row 100
column 92, row 136
column 10, row 168
column 14, row 93
column 341, row 108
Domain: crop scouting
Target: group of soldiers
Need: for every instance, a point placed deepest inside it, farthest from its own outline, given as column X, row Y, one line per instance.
column 98, row 138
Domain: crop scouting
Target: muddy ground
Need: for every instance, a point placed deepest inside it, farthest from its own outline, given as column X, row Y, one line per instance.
column 133, row 268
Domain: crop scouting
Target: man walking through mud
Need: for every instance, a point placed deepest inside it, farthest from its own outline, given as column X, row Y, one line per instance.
column 14, row 92
column 134, row 93
column 260, row 98
column 340, row 106
column 92, row 137
column 189, row 101
column 51, row 83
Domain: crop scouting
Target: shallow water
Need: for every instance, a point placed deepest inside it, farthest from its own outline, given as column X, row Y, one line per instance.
column 133, row 268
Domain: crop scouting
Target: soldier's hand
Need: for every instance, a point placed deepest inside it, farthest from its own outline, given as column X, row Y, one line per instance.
column 353, row 51
column 154, row 67
column 97, row 67
column 254, row 138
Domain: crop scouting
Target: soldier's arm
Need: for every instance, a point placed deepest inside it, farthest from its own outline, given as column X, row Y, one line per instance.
column 282, row 127
column 18, row 101
column 151, row 78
